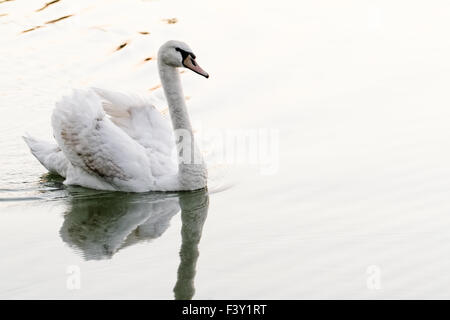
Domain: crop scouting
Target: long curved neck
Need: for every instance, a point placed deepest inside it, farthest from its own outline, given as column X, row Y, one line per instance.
column 191, row 169
column 173, row 90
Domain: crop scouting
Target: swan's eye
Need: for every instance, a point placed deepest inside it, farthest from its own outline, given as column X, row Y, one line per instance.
column 184, row 53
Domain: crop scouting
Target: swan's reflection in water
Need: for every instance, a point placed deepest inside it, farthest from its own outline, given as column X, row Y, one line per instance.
column 101, row 224
column 194, row 208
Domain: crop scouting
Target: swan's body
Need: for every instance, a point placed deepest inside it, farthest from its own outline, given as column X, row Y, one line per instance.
column 111, row 141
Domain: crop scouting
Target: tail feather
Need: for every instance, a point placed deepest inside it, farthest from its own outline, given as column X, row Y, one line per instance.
column 48, row 154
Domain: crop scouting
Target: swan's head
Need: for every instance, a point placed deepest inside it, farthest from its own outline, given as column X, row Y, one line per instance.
column 178, row 54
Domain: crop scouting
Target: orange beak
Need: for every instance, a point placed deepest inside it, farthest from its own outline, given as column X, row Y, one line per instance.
column 190, row 63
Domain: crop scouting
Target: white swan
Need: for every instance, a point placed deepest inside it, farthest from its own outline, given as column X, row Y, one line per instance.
column 111, row 141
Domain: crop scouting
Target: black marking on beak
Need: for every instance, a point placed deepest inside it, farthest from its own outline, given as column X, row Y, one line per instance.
column 185, row 53
column 188, row 61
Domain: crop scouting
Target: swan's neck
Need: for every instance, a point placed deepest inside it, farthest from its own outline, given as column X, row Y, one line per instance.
column 173, row 90
column 191, row 168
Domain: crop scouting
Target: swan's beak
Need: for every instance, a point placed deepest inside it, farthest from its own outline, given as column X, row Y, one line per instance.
column 190, row 63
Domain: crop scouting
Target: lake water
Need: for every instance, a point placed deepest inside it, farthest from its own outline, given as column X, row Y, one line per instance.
column 351, row 201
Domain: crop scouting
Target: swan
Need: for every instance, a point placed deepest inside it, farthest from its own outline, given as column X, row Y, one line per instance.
column 108, row 140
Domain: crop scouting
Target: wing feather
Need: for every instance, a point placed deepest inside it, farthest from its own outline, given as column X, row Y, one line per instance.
column 49, row 155
column 139, row 118
column 94, row 144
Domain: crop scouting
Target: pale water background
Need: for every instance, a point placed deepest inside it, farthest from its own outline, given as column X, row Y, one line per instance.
column 358, row 91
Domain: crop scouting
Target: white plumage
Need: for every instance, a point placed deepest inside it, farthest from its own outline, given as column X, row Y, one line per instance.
column 112, row 141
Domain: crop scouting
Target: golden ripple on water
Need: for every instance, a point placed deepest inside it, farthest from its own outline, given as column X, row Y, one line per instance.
column 47, row 5
column 31, row 29
column 140, row 63
column 171, row 20
column 48, row 22
column 59, row 19
column 155, row 87
column 123, row 45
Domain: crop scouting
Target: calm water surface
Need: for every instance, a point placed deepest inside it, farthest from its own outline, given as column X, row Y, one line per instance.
column 357, row 92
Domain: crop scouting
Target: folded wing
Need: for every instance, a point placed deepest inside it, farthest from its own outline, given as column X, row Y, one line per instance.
column 99, row 151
